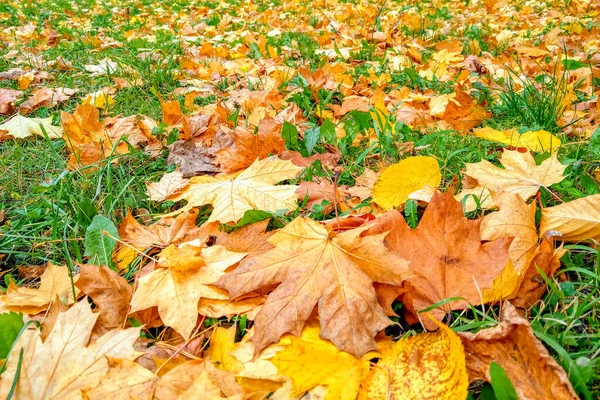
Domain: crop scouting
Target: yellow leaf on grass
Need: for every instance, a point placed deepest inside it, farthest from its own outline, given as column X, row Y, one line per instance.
column 253, row 189
column 533, row 140
column 426, row 366
column 399, row 180
column 576, row 220
column 66, row 363
column 55, row 283
column 19, row 127
column 222, row 343
column 311, row 361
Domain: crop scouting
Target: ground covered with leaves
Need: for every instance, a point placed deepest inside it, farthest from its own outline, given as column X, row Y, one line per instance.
column 281, row 199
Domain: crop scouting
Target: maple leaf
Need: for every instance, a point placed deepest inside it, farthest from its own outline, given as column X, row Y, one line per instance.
column 166, row 231
column 425, row 366
column 575, row 220
column 512, row 344
column 65, row 364
column 233, row 195
column 19, row 127
column 45, row 97
column 250, row 147
column 311, row 264
column 55, row 283
column 446, row 257
column 515, row 219
column 169, row 185
column 110, row 292
column 192, row 159
column 520, row 175
column 183, row 276
column 7, row 100
column 247, row 239
column 398, row 181
column 311, row 361
column 532, row 140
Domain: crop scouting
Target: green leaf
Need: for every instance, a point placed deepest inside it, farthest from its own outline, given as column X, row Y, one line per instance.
column 503, row 387
column 252, row 216
column 98, row 245
column 289, row 133
column 328, row 131
column 10, row 326
column 594, row 146
column 571, row 65
column 311, row 137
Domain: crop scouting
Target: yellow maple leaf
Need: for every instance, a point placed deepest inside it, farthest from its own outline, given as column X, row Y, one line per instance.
column 184, row 276
column 311, row 361
column 398, row 181
column 55, row 283
column 425, row 366
column 532, row 140
column 253, row 189
column 576, row 220
column 520, row 175
column 64, row 364
column 19, row 127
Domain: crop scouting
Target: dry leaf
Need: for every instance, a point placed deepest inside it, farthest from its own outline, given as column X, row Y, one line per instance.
column 520, row 175
column 249, row 147
column 399, row 180
column 311, row 361
column 169, row 185
column 110, row 292
column 55, row 283
column 454, row 263
column 575, row 221
column 191, row 158
column 311, row 264
column 66, row 363
column 512, row 344
column 7, row 100
column 253, row 189
column 532, row 140
column 425, row 366
column 183, row 276
column 19, row 127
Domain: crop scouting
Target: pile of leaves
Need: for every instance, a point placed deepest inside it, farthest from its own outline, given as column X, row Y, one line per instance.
column 357, row 199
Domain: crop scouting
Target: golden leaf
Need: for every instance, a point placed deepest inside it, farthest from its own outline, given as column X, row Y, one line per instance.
column 311, row 264
column 311, row 361
column 253, row 189
column 575, row 221
column 532, row 140
column 398, row 181
column 425, row 366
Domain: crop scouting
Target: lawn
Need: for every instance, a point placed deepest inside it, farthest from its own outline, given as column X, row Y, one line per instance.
column 278, row 199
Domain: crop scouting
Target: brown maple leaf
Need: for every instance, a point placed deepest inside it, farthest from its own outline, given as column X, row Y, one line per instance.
column 7, row 100
column 312, row 265
column 250, row 147
column 447, row 258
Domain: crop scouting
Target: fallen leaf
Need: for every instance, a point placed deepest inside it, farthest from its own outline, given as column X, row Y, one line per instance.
column 399, row 180
column 532, row 140
column 66, row 363
column 55, row 283
column 192, row 159
column 512, row 344
column 45, row 97
column 311, row 361
column 7, row 100
column 169, row 185
column 247, row 239
column 249, row 147
column 232, row 195
column 576, row 220
column 183, row 276
column 110, row 292
column 20, row 127
column 425, row 366
column 311, row 264
column 545, row 260
column 454, row 264
column 124, row 380
column 515, row 219
column 520, row 174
